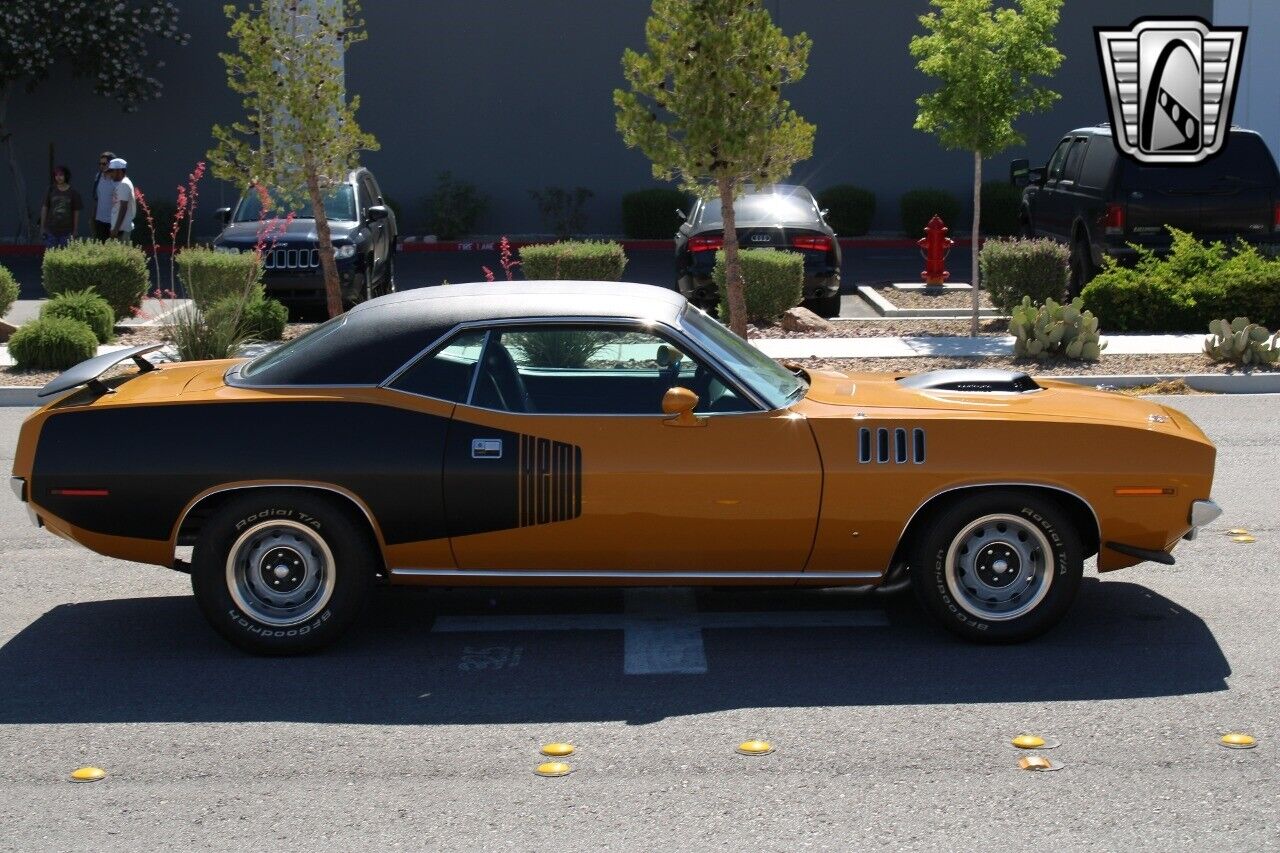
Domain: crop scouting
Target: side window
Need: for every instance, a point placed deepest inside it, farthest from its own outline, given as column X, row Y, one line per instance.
column 593, row 371
column 1099, row 160
column 1056, row 162
column 370, row 190
column 445, row 374
column 362, row 197
column 1072, row 170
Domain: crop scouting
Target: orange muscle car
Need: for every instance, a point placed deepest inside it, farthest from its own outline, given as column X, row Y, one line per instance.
column 580, row 433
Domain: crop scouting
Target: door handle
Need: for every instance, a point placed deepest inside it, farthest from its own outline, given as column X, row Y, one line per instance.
column 486, row 448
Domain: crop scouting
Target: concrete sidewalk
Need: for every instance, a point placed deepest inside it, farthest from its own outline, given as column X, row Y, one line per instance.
column 959, row 347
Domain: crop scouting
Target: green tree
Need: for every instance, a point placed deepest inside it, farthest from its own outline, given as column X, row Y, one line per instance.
column 299, row 137
column 106, row 43
column 985, row 60
column 705, row 107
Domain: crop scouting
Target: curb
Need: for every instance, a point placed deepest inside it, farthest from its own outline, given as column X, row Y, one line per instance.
column 886, row 309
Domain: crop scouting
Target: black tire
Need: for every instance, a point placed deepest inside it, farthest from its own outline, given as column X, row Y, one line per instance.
column 827, row 306
column 388, row 283
column 278, row 525
column 1081, row 264
column 953, row 587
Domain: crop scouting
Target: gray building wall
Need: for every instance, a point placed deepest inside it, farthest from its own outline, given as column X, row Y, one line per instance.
column 518, row 95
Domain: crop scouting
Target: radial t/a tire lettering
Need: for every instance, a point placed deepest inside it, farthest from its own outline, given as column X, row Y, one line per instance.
column 999, row 566
column 281, row 572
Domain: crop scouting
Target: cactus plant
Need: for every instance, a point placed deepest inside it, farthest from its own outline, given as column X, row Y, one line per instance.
column 1241, row 342
column 1052, row 329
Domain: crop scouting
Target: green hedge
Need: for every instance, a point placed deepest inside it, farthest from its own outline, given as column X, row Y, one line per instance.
column 917, row 207
column 849, row 209
column 651, row 214
column 52, row 343
column 261, row 319
column 1187, row 289
column 87, row 307
column 1001, row 204
column 573, row 260
column 8, row 290
column 772, row 282
column 1012, row 269
column 208, row 276
column 117, row 272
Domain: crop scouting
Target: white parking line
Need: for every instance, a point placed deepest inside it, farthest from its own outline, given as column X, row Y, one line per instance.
column 662, row 628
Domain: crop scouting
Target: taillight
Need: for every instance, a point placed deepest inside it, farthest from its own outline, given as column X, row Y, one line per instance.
column 1113, row 219
column 1275, row 217
column 820, row 243
column 705, row 244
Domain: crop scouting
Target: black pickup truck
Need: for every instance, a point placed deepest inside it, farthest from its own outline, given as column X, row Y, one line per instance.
column 1100, row 203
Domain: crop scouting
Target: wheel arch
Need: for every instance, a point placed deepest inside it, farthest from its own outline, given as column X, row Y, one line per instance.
column 1081, row 513
column 187, row 528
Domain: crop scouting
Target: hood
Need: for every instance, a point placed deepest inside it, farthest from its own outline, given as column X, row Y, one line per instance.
column 301, row 230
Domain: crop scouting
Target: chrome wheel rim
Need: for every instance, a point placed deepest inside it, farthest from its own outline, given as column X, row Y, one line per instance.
column 999, row 567
column 280, row 573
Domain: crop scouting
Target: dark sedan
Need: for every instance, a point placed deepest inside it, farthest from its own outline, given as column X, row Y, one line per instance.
column 779, row 217
column 363, row 230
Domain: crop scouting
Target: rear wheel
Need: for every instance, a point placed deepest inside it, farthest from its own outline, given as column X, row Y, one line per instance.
column 1000, row 567
column 827, row 306
column 1082, row 271
column 279, row 572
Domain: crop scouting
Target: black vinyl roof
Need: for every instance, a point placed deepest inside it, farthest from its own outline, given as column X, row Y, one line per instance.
column 374, row 339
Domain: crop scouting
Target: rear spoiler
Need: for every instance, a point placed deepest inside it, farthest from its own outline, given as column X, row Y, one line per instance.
column 88, row 371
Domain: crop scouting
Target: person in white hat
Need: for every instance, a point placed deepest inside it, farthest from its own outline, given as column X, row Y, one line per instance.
column 123, row 204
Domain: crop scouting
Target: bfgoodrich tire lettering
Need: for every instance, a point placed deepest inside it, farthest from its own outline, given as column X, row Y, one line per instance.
column 281, row 572
column 999, row 566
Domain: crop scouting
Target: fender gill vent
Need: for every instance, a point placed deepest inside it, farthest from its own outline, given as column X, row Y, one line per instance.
column 918, row 437
column 973, row 381
column 891, row 445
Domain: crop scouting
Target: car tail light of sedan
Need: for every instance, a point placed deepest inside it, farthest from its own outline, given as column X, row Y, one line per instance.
column 815, row 243
column 1113, row 219
column 1275, row 218
column 706, row 244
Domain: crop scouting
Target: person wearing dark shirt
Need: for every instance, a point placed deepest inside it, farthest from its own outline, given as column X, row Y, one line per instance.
column 60, row 214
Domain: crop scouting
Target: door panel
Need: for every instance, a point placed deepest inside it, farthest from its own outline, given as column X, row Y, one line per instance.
column 634, row 493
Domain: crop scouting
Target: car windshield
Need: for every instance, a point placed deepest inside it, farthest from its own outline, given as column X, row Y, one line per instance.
column 772, row 382
column 268, row 360
column 338, row 205
column 763, row 207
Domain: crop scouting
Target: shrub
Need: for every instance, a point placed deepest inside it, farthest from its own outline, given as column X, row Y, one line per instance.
column 772, row 282
column 563, row 210
column 1052, row 329
column 584, row 260
column 651, row 214
column 208, row 276
column 87, row 307
column 118, row 273
column 919, row 206
column 261, row 319
column 1001, row 204
column 52, row 343
column 849, row 208
column 200, row 336
column 1012, row 269
column 454, row 207
column 568, row 349
column 1241, row 342
column 8, row 290
column 1183, row 291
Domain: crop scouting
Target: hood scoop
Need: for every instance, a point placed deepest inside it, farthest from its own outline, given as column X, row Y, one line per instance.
column 973, row 381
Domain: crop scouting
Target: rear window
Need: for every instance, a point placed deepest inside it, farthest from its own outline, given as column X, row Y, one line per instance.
column 1244, row 159
column 1099, row 159
column 762, row 208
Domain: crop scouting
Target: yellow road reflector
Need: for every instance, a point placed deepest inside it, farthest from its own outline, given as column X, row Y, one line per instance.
column 1238, row 740
column 1243, row 538
column 755, row 747
column 88, row 774
column 553, row 768
column 1038, row 763
column 1237, row 531
column 558, row 750
column 1030, row 741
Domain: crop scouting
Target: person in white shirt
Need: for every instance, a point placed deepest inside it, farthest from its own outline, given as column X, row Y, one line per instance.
column 103, row 196
column 123, row 203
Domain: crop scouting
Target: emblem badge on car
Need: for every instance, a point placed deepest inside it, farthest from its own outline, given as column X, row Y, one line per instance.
column 1170, row 87
column 761, row 238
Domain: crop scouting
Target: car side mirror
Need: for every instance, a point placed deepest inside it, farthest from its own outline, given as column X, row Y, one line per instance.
column 223, row 214
column 376, row 213
column 1019, row 172
column 681, row 402
column 1037, row 175
column 680, row 213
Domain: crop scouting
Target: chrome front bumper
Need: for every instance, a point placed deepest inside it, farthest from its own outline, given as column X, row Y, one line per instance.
column 1202, row 514
column 19, row 487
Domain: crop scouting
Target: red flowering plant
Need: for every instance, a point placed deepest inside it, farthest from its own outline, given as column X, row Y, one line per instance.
column 506, row 259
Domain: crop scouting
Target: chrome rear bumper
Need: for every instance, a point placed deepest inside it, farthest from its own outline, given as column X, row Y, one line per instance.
column 1202, row 514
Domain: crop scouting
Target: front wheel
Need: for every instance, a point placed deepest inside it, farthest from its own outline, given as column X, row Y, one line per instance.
column 278, row 572
column 999, row 567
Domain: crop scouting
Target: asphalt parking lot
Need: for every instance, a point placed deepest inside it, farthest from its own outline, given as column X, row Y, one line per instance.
column 422, row 729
